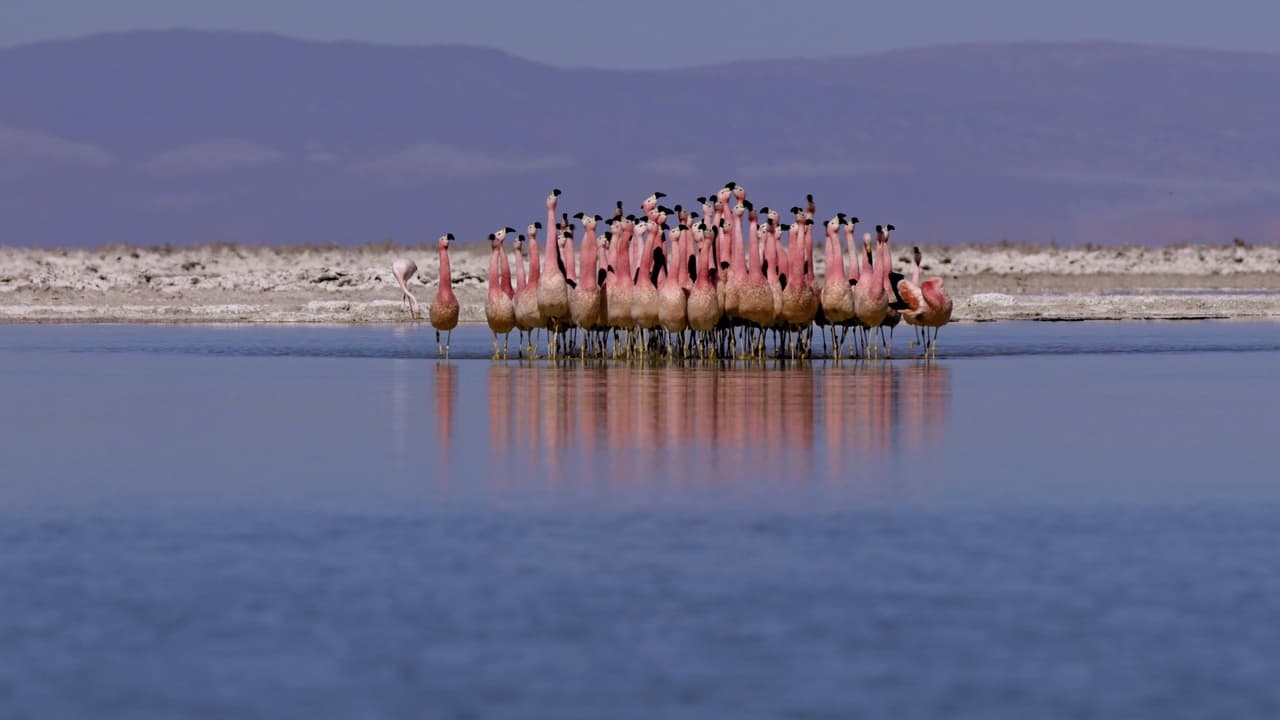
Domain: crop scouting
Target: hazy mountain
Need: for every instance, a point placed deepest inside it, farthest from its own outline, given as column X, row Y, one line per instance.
column 187, row 137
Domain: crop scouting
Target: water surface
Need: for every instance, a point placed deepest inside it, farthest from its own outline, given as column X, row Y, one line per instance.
column 1051, row 520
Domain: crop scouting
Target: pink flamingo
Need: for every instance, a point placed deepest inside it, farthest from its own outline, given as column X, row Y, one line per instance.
column 403, row 269
column 499, row 308
column 672, row 303
column 869, row 298
column 644, row 298
column 928, row 304
column 528, row 316
column 444, row 309
column 837, row 299
column 553, row 292
column 584, row 294
column 704, row 304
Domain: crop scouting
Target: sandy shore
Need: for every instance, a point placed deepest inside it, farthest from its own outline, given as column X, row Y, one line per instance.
column 253, row 284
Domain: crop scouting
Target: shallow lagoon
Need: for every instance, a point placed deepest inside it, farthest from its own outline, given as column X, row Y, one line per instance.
column 1069, row 519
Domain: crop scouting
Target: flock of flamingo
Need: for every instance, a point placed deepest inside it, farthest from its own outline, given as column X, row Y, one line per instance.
column 709, row 288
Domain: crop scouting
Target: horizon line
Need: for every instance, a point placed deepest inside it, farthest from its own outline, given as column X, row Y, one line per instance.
column 909, row 49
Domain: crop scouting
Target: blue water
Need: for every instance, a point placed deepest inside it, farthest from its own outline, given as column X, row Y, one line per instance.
column 1052, row 520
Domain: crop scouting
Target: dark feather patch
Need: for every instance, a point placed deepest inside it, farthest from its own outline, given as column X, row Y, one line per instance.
column 601, row 274
column 782, row 280
column 570, row 283
column 894, row 279
column 693, row 266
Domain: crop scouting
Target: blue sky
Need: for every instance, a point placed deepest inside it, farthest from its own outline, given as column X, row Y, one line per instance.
column 671, row 33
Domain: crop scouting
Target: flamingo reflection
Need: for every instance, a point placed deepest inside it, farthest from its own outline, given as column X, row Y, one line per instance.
column 619, row 423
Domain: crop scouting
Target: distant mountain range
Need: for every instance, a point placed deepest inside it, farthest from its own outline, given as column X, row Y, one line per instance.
column 186, row 137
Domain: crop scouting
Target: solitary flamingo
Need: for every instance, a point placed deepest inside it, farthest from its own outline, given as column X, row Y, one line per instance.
column 403, row 269
column 444, row 309
column 928, row 304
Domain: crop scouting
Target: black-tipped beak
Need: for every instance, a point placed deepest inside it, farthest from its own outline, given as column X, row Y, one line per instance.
column 841, row 217
column 730, row 185
column 794, row 210
column 619, row 206
column 693, row 214
column 879, row 229
column 449, row 237
column 890, row 227
column 702, row 201
column 510, row 229
column 808, row 198
column 556, row 192
column 785, row 227
column 537, row 225
column 492, row 236
column 520, row 238
column 659, row 195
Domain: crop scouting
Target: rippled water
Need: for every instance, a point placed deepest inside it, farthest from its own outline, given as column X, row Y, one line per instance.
column 1051, row 520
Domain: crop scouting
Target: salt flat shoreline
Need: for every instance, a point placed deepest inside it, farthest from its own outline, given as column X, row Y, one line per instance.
column 235, row 284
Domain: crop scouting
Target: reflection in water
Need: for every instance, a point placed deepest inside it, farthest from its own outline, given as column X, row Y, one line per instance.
column 400, row 399
column 646, row 424
column 446, row 392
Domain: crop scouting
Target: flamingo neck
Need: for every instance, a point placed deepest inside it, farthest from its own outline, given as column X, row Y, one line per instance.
column 835, row 257
column 446, row 277
column 588, row 252
column 535, row 270
column 506, row 272
column 569, row 271
column 855, row 267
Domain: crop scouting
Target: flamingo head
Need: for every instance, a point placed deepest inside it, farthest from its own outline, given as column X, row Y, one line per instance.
column 551, row 199
column 443, row 242
column 915, row 255
column 739, row 192
column 520, row 245
column 738, row 211
column 772, row 215
column 501, row 234
column 533, row 229
column 494, row 242
column 603, row 241
column 866, row 242
column 726, row 192
column 809, row 208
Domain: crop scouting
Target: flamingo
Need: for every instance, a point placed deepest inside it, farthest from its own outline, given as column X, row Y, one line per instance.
column 644, row 298
column 869, row 298
column 553, row 292
column 755, row 300
column 928, row 304
column 837, row 298
column 444, row 309
column 403, row 269
column 499, row 308
column 672, row 304
column 584, row 295
column 528, row 316
column 704, row 305
column 619, row 283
